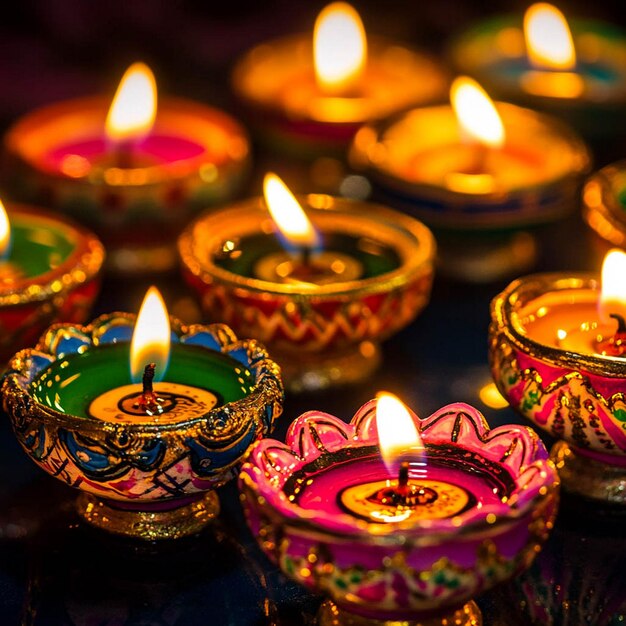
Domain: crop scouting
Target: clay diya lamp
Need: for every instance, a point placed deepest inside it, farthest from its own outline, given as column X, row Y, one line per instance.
column 308, row 95
column 577, row 73
column 49, row 272
column 483, row 175
column 148, row 455
column 557, row 352
column 449, row 510
column 344, row 276
column 133, row 171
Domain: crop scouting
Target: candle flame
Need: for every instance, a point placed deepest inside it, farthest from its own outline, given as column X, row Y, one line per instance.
column 613, row 293
column 133, row 109
column 476, row 112
column 339, row 48
column 397, row 432
column 151, row 337
column 287, row 213
column 549, row 42
column 5, row 232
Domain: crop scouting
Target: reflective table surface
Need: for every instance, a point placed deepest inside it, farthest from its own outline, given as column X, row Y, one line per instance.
column 54, row 570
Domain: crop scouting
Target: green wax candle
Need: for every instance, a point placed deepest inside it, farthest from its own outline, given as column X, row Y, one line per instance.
column 96, row 384
column 38, row 245
column 245, row 254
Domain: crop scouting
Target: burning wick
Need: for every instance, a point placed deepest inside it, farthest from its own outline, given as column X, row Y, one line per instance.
column 148, row 400
column 403, row 494
column 616, row 345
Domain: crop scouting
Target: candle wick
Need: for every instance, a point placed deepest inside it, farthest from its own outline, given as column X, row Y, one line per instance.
column 403, row 478
column 305, row 256
column 621, row 323
column 124, row 155
column 148, row 398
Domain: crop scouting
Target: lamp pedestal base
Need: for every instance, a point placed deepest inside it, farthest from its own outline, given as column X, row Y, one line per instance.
column 302, row 371
column 588, row 477
column 156, row 521
column 330, row 614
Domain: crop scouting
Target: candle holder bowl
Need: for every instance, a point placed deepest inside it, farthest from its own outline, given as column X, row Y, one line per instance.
column 578, row 398
column 483, row 233
column 137, row 211
column 417, row 572
column 275, row 83
column 321, row 335
column 64, row 262
column 145, row 479
column 494, row 53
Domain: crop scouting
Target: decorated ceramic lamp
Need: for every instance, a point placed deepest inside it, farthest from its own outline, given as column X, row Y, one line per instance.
column 535, row 59
column 49, row 272
column 604, row 206
column 478, row 173
column 146, row 436
column 133, row 171
column 397, row 519
column 322, row 287
column 308, row 95
column 558, row 351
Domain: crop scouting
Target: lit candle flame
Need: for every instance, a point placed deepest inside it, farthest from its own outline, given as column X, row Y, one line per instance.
column 397, row 432
column 339, row 48
column 549, row 42
column 151, row 337
column 613, row 293
column 5, row 232
column 133, row 109
column 476, row 112
column 287, row 213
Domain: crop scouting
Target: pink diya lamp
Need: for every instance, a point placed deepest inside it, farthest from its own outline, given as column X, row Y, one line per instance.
column 309, row 95
column 49, row 272
column 558, row 353
column 398, row 518
column 133, row 171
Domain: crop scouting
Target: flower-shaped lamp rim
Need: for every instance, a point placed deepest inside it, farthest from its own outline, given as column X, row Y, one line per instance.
column 410, row 232
column 27, row 364
column 524, row 457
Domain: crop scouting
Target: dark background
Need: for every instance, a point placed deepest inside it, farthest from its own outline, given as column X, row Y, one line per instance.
column 55, row 571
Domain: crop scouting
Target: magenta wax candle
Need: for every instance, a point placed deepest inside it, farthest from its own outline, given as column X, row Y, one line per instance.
column 459, row 510
column 136, row 186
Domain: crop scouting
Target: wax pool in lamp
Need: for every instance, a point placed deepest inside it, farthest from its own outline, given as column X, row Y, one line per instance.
column 98, row 384
column 131, row 169
column 539, row 61
column 311, row 94
column 31, row 244
column 585, row 321
column 299, row 254
column 404, row 481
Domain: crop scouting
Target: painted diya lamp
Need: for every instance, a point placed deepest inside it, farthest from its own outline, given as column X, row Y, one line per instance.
column 480, row 174
column 131, row 172
column 578, row 74
column 323, row 292
column 145, row 455
column 396, row 518
column 308, row 96
column 49, row 272
column 558, row 352
column 604, row 206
